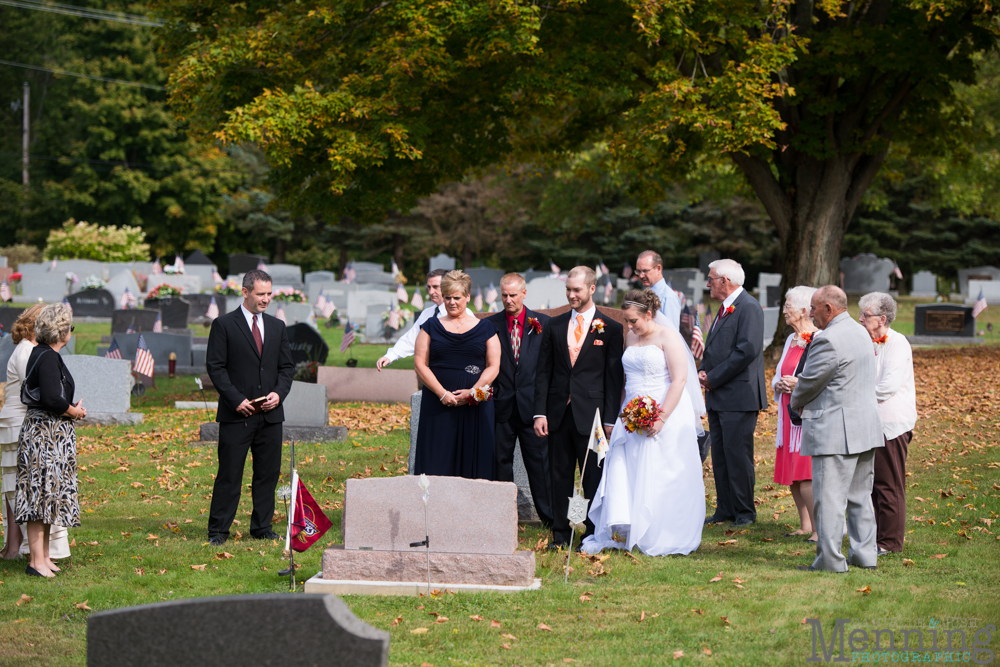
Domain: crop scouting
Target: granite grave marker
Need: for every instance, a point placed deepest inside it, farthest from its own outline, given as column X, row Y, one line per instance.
column 137, row 319
column 866, row 273
column 924, row 285
column 92, row 303
column 306, row 344
column 175, row 311
column 944, row 320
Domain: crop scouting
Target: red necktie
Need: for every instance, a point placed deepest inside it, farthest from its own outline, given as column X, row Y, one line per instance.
column 515, row 340
column 257, row 337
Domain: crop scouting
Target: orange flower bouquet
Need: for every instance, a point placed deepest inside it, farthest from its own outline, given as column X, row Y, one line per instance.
column 640, row 414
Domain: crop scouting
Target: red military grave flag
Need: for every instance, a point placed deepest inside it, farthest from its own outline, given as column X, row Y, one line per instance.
column 309, row 523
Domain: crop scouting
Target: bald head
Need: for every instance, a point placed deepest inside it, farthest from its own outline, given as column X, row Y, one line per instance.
column 828, row 302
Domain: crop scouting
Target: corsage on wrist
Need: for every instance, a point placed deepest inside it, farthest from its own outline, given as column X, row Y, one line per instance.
column 481, row 395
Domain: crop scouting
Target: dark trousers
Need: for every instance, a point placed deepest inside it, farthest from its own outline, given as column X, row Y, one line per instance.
column 534, row 452
column 235, row 440
column 732, row 463
column 567, row 448
column 889, row 492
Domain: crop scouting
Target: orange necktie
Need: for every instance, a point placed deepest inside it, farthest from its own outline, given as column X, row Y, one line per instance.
column 579, row 328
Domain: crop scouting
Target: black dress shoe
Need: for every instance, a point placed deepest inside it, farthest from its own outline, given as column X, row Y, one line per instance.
column 741, row 522
column 217, row 540
column 267, row 535
column 556, row 546
column 883, row 552
column 867, row 567
column 715, row 518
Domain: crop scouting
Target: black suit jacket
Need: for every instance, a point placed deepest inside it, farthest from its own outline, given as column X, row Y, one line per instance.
column 515, row 384
column 734, row 359
column 594, row 382
column 239, row 372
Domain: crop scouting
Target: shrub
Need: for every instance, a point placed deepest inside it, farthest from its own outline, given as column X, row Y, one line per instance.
column 21, row 254
column 83, row 240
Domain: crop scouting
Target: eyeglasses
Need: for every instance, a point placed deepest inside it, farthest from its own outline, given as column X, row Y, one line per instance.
column 642, row 272
column 72, row 328
column 865, row 315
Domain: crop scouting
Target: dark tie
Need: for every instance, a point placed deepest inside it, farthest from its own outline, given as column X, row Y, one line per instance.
column 718, row 316
column 515, row 340
column 257, row 337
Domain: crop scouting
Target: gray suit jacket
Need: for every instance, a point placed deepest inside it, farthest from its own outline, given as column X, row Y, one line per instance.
column 836, row 390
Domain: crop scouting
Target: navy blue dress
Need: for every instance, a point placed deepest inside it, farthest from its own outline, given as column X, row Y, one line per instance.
column 456, row 441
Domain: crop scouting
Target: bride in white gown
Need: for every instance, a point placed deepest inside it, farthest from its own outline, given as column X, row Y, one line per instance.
column 652, row 494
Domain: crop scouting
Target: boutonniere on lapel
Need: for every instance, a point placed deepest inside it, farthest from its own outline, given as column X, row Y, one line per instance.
column 597, row 325
column 728, row 311
column 533, row 325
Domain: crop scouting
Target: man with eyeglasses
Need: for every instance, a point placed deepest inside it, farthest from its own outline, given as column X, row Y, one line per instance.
column 649, row 268
column 405, row 345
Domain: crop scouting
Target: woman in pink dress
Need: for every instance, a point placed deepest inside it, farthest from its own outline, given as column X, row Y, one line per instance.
column 790, row 467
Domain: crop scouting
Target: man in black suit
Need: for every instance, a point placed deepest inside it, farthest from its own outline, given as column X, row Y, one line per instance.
column 732, row 373
column 248, row 357
column 579, row 372
column 514, row 394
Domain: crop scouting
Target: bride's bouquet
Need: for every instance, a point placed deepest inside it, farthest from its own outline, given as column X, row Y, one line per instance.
column 480, row 395
column 640, row 414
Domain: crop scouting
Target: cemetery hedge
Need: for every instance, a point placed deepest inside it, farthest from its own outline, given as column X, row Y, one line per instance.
column 145, row 492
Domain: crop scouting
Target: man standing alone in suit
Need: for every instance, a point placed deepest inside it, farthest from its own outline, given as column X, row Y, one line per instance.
column 579, row 372
column 841, row 428
column 732, row 373
column 248, row 358
column 514, row 394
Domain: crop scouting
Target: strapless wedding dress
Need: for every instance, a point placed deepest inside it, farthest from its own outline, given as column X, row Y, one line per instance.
column 651, row 494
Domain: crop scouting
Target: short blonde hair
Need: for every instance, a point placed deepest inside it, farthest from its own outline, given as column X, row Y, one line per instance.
column 513, row 279
column 24, row 325
column 459, row 281
column 53, row 323
column 587, row 273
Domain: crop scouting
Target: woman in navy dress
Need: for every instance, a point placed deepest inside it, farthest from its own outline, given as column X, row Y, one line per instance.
column 455, row 355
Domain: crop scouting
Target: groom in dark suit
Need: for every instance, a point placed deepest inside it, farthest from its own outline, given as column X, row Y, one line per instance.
column 248, row 357
column 732, row 373
column 514, row 394
column 579, row 372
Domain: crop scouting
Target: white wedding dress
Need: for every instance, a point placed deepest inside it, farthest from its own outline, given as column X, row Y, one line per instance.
column 651, row 493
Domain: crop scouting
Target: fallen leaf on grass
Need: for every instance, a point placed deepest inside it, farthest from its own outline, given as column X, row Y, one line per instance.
column 509, row 636
column 716, row 578
column 542, row 626
column 541, row 544
column 418, row 631
column 737, row 580
column 494, row 624
column 568, row 660
column 441, row 619
column 505, row 646
column 397, row 621
column 82, row 606
column 477, row 618
column 698, row 611
column 938, row 556
column 706, row 651
column 678, row 655
column 24, row 600
column 199, row 567
column 585, row 598
column 162, row 572
column 907, row 562
column 726, row 543
column 725, row 620
column 767, row 539
column 139, row 571
column 222, row 555
column 866, row 590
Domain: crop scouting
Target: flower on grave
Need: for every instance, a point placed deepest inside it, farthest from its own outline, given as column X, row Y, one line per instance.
column 93, row 282
column 289, row 295
column 229, row 288
column 533, row 325
column 197, row 381
column 425, row 484
column 71, row 278
column 15, row 277
column 163, row 291
column 597, row 325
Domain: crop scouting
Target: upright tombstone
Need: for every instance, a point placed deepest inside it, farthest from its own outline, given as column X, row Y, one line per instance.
column 866, row 273
column 374, row 278
column 160, row 345
column 359, row 300
column 104, row 386
column 197, row 632
column 690, row 282
column 203, row 273
column 92, row 303
column 198, row 258
column 764, row 281
column 121, row 281
column 924, row 285
column 200, row 303
column 294, row 312
column 241, row 263
column 6, row 350
column 187, row 284
column 307, row 417
column 705, row 258
column 368, row 267
column 286, row 275
column 975, row 273
column 545, row 293
column 942, row 320
column 47, row 287
column 306, row 344
column 138, row 320
column 441, row 261
column 319, row 277
column 9, row 315
column 351, row 385
column 771, row 316
column 175, row 311
column 990, row 289
column 483, row 277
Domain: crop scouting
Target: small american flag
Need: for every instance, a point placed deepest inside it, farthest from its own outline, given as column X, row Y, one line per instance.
column 418, row 300
column 213, row 309
column 143, row 364
column 157, row 268
column 491, row 294
column 605, row 269
column 327, row 308
column 395, row 269
column 896, row 271
column 66, row 301
column 609, row 289
column 708, row 317
column 697, row 341
column 627, row 271
column 5, row 292
column 114, row 352
column 553, row 268
column 349, row 336
column 158, row 324
column 280, row 314
column 55, row 260
column 401, row 294
column 349, row 273
column 478, row 301
column 216, row 278
column 178, row 264
column 131, row 327
column 683, row 299
column 980, row 305
column 128, row 300
column 393, row 321
column 261, row 266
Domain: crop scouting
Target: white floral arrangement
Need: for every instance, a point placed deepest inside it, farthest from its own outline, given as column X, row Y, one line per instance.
column 404, row 316
column 71, row 278
column 93, row 282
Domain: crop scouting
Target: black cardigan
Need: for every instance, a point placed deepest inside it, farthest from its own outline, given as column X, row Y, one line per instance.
column 52, row 377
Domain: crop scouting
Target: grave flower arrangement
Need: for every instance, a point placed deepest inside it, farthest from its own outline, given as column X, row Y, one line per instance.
column 306, row 371
column 289, row 295
column 93, row 282
column 640, row 414
column 229, row 288
column 15, row 277
column 163, row 291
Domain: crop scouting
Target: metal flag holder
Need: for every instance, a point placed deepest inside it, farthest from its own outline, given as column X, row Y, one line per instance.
column 290, row 572
column 201, row 388
column 425, row 484
column 577, row 512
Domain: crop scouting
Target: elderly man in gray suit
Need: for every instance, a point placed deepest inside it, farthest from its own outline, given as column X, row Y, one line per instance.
column 841, row 427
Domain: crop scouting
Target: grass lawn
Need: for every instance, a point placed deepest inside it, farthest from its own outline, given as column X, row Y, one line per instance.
column 145, row 493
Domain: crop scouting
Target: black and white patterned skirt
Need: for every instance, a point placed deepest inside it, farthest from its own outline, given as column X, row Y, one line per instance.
column 46, row 471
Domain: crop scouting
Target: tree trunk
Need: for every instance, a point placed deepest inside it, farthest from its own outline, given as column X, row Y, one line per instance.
column 466, row 256
column 279, row 251
column 398, row 244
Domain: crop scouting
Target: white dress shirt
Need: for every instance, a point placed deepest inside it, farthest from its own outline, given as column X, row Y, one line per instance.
column 728, row 301
column 894, row 387
column 249, row 318
column 670, row 303
column 407, row 343
column 588, row 319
